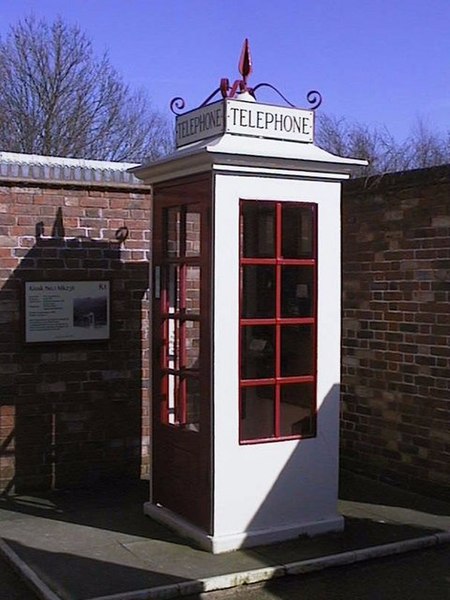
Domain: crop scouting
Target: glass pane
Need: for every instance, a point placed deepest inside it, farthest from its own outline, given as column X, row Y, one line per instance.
column 192, row 404
column 173, row 289
column 257, row 412
column 192, row 344
column 296, row 409
column 173, row 232
column 172, row 394
column 183, row 402
column 258, row 230
column 296, row 351
column 297, row 239
column 258, row 349
column 192, row 233
column 173, row 344
column 192, row 290
column 297, row 291
column 258, row 292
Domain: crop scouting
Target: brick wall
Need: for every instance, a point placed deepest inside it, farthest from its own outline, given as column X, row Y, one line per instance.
column 73, row 414
column 396, row 328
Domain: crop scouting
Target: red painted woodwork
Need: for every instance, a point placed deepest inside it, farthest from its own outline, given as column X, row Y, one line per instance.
column 181, row 352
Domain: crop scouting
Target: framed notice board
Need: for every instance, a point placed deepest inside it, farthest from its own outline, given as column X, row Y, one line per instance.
column 58, row 311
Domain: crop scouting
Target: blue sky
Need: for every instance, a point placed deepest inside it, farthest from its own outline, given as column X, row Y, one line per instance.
column 380, row 62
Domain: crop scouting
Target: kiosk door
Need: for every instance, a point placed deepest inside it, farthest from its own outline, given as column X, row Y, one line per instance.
column 181, row 350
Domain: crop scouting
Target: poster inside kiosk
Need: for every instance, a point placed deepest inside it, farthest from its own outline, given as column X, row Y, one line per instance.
column 58, row 311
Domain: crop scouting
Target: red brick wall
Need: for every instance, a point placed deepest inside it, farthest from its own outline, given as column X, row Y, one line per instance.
column 396, row 328
column 73, row 414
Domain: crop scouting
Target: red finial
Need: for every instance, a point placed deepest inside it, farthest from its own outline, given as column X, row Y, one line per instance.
column 245, row 62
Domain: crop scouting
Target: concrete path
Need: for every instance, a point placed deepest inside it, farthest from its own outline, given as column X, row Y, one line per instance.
column 92, row 545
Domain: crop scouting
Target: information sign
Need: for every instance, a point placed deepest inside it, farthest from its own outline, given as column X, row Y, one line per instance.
column 66, row 311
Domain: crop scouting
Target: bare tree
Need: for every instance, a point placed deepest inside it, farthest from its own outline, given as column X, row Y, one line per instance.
column 422, row 148
column 58, row 99
column 426, row 148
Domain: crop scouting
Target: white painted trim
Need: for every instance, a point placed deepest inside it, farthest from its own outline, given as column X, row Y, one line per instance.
column 279, row 172
column 218, row 544
column 178, row 524
column 248, row 539
column 242, row 150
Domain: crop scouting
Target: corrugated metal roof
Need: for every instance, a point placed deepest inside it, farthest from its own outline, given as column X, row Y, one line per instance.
column 52, row 168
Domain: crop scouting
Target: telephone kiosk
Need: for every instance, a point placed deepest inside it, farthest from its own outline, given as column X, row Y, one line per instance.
column 246, row 323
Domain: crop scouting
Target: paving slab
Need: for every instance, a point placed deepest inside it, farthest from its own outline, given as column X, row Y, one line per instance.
column 97, row 544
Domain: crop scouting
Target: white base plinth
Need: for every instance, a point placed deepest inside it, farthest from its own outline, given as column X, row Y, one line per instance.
column 229, row 542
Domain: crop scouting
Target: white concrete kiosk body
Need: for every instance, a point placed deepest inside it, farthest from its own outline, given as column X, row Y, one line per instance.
column 272, row 490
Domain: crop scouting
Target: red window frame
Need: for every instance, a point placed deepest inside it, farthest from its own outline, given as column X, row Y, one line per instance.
column 278, row 321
